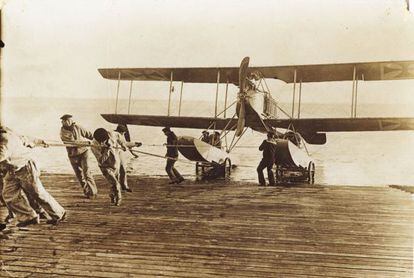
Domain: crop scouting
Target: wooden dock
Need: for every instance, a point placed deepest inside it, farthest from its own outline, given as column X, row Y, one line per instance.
column 209, row 230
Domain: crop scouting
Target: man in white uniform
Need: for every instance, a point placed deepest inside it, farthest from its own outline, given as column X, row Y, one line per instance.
column 22, row 182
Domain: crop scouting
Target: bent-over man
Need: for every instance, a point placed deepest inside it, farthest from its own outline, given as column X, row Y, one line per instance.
column 79, row 156
column 269, row 151
column 104, row 147
column 21, row 181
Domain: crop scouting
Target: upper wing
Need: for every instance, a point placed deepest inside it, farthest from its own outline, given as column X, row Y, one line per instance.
column 171, row 121
column 189, row 75
column 389, row 70
column 341, row 72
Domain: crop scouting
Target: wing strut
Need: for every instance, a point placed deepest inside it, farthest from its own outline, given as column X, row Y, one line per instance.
column 169, row 93
column 216, row 104
column 355, row 80
column 129, row 100
column 294, row 93
column 181, row 97
column 300, row 98
column 225, row 99
column 117, row 92
column 353, row 92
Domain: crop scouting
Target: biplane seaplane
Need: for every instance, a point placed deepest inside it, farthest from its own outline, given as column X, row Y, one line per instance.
column 258, row 110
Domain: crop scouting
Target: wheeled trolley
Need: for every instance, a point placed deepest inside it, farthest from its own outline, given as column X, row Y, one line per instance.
column 293, row 164
column 211, row 162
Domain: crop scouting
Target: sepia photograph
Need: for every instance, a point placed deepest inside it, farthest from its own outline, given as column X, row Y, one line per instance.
column 179, row 138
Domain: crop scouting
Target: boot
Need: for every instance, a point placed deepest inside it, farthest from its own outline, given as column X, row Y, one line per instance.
column 32, row 221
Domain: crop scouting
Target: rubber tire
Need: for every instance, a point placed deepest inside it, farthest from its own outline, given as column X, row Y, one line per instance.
column 227, row 169
column 311, row 173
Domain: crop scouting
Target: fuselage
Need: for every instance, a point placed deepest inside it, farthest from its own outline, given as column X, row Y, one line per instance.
column 256, row 106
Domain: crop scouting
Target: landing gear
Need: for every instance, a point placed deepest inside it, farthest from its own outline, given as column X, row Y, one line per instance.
column 199, row 170
column 278, row 175
column 212, row 171
column 227, row 169
column 284, row 174
column 311, row 173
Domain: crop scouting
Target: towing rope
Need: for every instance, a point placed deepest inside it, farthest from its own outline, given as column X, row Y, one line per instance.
column 87, row 144
column 187, row 146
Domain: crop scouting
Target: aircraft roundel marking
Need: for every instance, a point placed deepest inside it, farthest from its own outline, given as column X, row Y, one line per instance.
column 389, row 124
column 397, row 71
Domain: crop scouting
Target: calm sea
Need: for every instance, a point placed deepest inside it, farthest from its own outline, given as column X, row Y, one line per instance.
column 370, row 158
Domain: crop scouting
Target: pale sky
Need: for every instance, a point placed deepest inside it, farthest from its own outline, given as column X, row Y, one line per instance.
column 53, row 48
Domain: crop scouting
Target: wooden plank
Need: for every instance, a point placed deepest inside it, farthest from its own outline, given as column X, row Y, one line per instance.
column 213, row 229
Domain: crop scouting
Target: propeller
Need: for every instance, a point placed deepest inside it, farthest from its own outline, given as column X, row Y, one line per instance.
column 241, row 122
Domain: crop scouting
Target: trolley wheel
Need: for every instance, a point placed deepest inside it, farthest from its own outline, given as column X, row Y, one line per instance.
column 198, row 170
column 278, row 175
column 311, row 173
column 275, row 171
column 227, row 169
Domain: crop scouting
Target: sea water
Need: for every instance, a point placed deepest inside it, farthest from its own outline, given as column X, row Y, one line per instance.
column 348, row 158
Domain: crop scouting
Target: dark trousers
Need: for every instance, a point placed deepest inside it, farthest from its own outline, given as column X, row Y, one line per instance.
column 171, row 171
column 269, row 165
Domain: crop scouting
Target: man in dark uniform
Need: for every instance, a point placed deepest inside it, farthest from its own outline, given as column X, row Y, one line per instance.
column 79, row 156
column 172, row 156
column 269, row 151
column 215, row 140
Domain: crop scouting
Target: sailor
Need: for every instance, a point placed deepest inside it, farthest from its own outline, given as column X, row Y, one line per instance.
column 120, row 133
column 79, row 156
column 269, row 151
column 172, row 156
column 10, row 214
column 104, row 147
column 21, row 181
column 215, row 139
column 205, row 137
column 33, row 203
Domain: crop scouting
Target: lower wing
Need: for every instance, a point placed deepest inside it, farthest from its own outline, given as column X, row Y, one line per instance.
column 312, row 129
column 172, row 121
